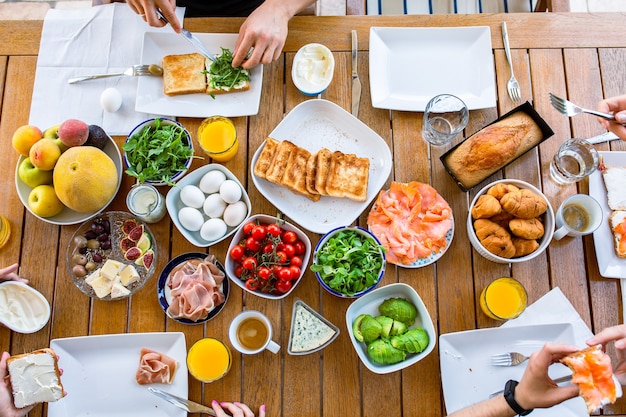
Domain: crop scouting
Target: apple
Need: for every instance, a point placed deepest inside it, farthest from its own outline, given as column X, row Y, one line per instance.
column 52, row 132
column 60, row 144
column 44, row 154
column 25, row 137
column 44, row 202
column 31, row 175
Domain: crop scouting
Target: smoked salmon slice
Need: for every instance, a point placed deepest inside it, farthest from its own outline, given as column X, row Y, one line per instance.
column 411, row 220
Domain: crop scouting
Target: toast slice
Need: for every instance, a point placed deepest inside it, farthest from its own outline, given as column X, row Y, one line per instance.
column 615, row 183
column 311, row 169
column 183, row 74
column 265, row 157
column 295, row 174
column 278, row 165
column 321, row 173
column 222, row 78
column 348, row 176
column 617, row 221
column 35, row 378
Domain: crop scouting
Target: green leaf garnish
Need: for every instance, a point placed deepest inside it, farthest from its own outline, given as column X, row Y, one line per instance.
column 222, row 75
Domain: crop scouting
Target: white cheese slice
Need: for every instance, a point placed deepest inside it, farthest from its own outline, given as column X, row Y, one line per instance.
column 110, row 269
column 309, row 332
column 128, row 275
column 101, row 286
column 119, row 290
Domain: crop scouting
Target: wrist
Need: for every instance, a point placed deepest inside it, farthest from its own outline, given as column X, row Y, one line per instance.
column 513, row 400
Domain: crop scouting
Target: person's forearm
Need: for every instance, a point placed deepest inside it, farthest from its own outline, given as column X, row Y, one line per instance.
column 493, row 407
column 291, row 7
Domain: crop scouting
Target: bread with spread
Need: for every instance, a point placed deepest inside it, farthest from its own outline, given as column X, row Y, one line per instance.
column 35, row 378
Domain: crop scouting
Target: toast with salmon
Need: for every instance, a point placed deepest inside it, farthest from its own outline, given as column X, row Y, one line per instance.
column 617, row 221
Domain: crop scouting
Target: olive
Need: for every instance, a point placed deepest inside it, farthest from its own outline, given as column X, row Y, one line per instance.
column 96, row 257
column 93, row 244
column 97, row 228
column 79, row 270
column 102, row 237
column 106, row 226
column 106, row 245
column 90, row 234
column 79, row 259
column 80, row 241
column 82, row 250
column 91, row 266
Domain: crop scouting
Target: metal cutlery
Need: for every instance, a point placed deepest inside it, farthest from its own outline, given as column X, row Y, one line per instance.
column 508, row 359
column 190, row 37
column 512, row 86
column 356, row 83
column 189, row 406
column 601, row 138
column 558, row 381
column 570, row 109
column 135, row 70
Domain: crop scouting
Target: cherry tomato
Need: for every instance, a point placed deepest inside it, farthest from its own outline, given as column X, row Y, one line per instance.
column 281, row 257
column 274, row 230
column 258, row 232
column 295, row 272
column 283, row 286
column 290, row 237
column 269, row 248
column 284, row 274
column 264, row 273
column 247, row 228
column 299, row 247
column 252, row 284
column 249, row 263
column 237, row 252
column 289, row 250
column 296, row 261
column 280, row 246
column 253, row 244
column 267, row 287
column 238, row 271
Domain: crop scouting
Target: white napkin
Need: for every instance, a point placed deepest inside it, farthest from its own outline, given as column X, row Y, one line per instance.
column 87, row 41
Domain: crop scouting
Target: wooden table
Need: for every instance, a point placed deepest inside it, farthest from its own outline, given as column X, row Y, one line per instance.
column 580, row 56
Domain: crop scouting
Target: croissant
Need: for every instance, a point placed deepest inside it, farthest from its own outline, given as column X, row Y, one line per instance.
column 527, row 228
column 495, row 238
column 524, row 204
column 500, row 189
column 486, row 206
column 524, row 247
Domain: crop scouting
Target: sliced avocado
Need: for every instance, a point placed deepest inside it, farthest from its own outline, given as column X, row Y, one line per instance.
column 356, row 327
column 398, row 328
column 386, row 322
column 371, row 329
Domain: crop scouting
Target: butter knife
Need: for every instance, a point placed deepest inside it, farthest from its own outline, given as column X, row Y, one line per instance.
column 190, row 37
column 356, row 83
column 603, row 137
column 187, row 405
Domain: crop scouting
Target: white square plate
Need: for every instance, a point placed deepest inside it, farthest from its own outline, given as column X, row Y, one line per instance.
column 468, row 376
column 409, row 66
column 152, row 99
column 315, row 124
column 609, row 264
column 99, row 375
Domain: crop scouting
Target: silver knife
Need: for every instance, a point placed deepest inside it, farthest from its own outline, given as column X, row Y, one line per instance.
column 187, row 405
column 190, row 37
column 558, row 381
column 604, row 137
column 356, row 83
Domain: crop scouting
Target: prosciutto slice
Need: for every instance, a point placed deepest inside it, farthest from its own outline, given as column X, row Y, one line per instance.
column 196, row 289
column 155, row 368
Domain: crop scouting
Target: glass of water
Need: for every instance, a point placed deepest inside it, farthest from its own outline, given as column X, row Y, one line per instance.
column 575, row 160
column 445, row 117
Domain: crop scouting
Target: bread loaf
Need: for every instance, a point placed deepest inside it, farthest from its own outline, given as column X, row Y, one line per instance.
column 492, row 148
column 35, row 378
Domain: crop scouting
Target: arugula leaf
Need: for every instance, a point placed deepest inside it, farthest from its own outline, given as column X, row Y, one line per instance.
column 157, row 153
column 222, row 75
column 349, row 262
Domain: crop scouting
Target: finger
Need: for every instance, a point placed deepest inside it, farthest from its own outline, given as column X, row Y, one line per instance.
column 246, row 410
column 262, row 411
column 241, row 53
column 3, row 364
column 614, row 333
column 170, row 15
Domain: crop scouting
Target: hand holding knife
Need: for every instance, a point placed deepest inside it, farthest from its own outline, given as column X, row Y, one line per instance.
column 356, row 83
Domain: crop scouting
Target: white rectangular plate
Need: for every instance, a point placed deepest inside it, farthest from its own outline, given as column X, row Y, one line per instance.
column 99, row 375
column 152, row 99
column 409, row 66
column 315, row 124
column 468, row 376
column 609, row 264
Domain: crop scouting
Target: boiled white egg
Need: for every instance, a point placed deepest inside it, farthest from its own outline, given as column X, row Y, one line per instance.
column 111, row 100
column 235, row 213
column 213, row 229
column 230, row 191
column 192, row 196
column 211, row 181
column 214, row 205
column 191, row 218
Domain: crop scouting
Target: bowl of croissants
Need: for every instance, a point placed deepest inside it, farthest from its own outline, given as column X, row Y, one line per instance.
column 510, row 221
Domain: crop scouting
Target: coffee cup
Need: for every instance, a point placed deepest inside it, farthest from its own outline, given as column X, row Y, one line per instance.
column 578, row 215
column 250, row 332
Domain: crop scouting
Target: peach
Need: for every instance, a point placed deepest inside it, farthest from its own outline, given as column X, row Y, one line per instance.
column 44, row 154
column 73, row 132
column 25, row 137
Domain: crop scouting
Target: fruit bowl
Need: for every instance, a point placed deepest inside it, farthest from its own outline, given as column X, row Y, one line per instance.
column 68, row 216
column 128, row 242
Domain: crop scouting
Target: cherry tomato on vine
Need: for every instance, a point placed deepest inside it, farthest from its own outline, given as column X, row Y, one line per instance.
column 283, row 286
column 249, row 263
column 239, row 270
column 258, row 232
column 268, row 248
column 253, row 244
column 299, row 247
column 274, row 230
column 252, row 284
column 296, row 261
column 281, row 257
column 289, row 250
column 290, row 237
column 247, row 228
column 295, row 272
column 284, row 274
column 264, row 273
column 237, row 252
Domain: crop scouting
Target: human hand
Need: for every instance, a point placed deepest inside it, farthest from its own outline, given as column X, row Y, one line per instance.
column 147, row 9
column 236, row 409
column 10, row 274
column 536, row 389
column 617, row 106
column 7, row 409
column 618, row 335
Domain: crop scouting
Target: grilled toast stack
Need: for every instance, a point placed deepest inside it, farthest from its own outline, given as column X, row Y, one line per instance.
column 615, row 182
column 323, row 173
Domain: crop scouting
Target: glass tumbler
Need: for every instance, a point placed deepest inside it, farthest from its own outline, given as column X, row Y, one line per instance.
column 445, row 117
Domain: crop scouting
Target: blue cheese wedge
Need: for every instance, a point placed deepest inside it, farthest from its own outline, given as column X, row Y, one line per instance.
column 309, row 332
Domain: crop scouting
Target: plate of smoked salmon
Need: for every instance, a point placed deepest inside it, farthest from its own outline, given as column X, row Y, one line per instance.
column 413, row 222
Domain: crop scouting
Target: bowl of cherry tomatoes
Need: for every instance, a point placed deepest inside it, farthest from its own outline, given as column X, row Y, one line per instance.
column 267, row 256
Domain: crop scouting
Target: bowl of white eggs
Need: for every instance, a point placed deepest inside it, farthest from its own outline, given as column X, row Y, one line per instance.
column 208, row 205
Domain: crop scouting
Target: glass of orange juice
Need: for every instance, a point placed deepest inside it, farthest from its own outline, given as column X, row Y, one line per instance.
column 503, row 299
column 218, row 138
column 208, row 360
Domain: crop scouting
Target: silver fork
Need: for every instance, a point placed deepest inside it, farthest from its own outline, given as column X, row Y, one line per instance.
column 570, row 109
column 135, row 70
column 512, row 85
column 508, row 359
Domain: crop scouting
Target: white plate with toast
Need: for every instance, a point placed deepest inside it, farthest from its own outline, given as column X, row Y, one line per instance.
column 313, row 125
column 609, row 264
column 99, row 375
column 152, row 99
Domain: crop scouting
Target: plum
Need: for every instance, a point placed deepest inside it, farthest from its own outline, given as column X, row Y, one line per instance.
column 97, row 137
column 73, row 132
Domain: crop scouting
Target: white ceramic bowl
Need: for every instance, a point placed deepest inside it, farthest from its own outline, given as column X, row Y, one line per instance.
column 174, row 204
column 68, row 216
column 165, row 122
column 333, row 233
column 312, row 69
column 548, row 224
column 239, row 236
column 368, row 304
column 31, row 300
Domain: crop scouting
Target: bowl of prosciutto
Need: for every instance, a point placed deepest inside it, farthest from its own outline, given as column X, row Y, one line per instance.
column 193, row 288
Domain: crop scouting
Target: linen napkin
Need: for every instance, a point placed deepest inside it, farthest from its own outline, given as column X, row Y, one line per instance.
column 94, row 40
